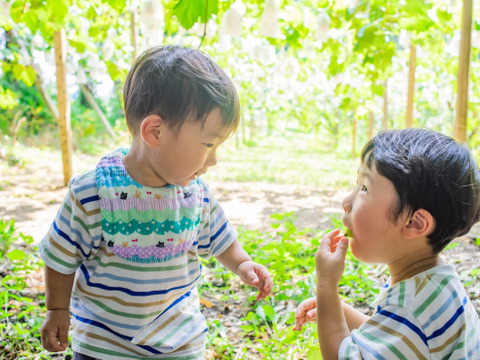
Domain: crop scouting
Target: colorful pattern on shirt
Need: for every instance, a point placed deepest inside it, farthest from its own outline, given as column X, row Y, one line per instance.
column 428, row 316
column 135, row 305
column 134, row 216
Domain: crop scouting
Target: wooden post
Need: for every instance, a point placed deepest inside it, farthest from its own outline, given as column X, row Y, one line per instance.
column 385, row 106
column 411, row 85
column 63, row 104
column 134, row 34
column 460, row 126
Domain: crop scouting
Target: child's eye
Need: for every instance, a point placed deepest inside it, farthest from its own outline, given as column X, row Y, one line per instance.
column 209, row 145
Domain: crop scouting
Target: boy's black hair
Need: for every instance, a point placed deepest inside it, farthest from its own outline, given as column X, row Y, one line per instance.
column 430, row 171
column 178, row 84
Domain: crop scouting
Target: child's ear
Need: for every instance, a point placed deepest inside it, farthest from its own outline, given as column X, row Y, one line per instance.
column 421, row 223
column 150, row 129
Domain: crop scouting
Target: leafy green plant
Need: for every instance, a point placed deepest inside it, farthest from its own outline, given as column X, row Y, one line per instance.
column 218, row 342
column 6, row 235
column 21, row 307
column 289, row 254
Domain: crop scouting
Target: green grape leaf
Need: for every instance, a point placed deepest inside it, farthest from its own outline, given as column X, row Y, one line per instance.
column 17, row 10
column 58, row 10
column 8, row 99
column 189, row 11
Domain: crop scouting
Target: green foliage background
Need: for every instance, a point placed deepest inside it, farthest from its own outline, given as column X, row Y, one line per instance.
column 295, row 81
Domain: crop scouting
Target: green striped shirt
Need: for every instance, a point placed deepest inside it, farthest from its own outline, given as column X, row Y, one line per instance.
column 428, row 316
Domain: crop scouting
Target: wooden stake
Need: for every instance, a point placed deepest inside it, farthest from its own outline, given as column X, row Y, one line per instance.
column 460, row 125
column 411, row 85
column 63, row 104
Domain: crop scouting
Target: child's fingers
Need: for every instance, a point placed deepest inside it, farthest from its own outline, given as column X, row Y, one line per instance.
column 257, row 275
column 265, row 284
column 298, row 325
column 334, row 243
column 342, row 247
column 63, row 336
column 303, row 316
column 306, row 309
column 50, row 342
column 251, row 277
column 328, row 240
column 312, row 315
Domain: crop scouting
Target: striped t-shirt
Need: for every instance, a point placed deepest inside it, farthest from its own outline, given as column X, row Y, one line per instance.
column 135, row 253
column 428, row 316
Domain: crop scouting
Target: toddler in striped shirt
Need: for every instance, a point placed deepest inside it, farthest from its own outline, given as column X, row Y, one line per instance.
column 123, row 252
column 416, row 191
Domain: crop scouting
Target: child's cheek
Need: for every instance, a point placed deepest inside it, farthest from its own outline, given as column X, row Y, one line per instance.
column 354, row 248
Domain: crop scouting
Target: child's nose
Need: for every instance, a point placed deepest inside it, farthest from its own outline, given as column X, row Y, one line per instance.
column 347, row 203
column 212, row 159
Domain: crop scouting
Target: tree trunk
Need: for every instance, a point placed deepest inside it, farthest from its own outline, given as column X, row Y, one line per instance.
column 411, row 85
column 63, row 104
column 460, row 126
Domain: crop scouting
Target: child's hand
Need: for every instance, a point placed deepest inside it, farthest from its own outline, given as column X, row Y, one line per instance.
column 330, row 258
column 256, row 275
column 54, row 330
column 306, row 312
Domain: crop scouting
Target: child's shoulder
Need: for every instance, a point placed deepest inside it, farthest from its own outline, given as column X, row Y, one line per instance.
column 202, row 184
column 82, row 179
column 438, row 279
column 435, row 284
column 82, row 182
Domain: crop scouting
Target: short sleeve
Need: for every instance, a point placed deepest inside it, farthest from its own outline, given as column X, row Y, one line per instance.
column 69, row 241
column 215, row 234
column 391, row 333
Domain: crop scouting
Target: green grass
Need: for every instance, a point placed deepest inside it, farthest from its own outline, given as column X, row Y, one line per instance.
column 296, row 161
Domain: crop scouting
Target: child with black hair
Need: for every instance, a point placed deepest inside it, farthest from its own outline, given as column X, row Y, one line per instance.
column 128, row 236
column 416, row 191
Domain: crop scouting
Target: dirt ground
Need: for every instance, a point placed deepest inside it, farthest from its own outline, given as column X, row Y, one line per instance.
column 32, row 194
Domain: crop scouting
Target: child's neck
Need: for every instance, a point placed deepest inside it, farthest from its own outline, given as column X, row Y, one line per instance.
column 137, row 164
column 413, row 266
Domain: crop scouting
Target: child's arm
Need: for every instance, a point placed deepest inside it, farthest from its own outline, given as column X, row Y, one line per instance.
column 54, row 330
column 332, row 324
column 236, row 259
column 354, row 318
column 307, row 312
